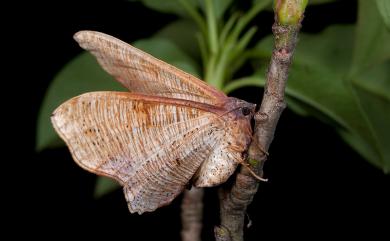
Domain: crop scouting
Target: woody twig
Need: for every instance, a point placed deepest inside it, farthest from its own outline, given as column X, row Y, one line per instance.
column 234, row 202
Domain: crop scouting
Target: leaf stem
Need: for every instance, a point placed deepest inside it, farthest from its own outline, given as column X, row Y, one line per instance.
column 203, row 49
column 210, row 71
column 211, row 27
column 191, row 10
column 228, row 26
column 243, row 82
column 245, row 19
column 221, row 66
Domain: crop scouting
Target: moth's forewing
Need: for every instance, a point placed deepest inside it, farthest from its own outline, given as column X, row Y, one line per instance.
column 151, row 145
column 142, row 73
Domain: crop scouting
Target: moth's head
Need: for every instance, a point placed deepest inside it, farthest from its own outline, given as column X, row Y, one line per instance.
column 240, row 108
column 239, row 114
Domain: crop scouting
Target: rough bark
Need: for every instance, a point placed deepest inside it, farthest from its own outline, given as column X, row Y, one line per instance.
column 234, row 202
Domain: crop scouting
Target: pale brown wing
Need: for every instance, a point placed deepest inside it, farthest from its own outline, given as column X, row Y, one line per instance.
column 142, row 73
column 152, row 146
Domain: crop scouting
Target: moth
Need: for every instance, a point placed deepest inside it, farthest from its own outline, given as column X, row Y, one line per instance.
column 170, row 130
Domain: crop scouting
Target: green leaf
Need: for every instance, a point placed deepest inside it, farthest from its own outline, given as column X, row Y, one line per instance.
column 169, row 6
column 82, row 74
column 372, row 90
column 219, row 7
column 243, row 21
column 256, row 80
column 315, row 2
column 384, row 10
column 372, row 39
column 167, row 51
column 105, row 185
column 211, row 22
column 175, row 7
column 318, row 86
column 182, row 33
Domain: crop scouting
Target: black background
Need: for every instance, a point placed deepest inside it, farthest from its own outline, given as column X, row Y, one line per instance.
column 319, row 187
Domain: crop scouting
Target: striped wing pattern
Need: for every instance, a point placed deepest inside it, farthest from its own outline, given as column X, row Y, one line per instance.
column 152, row 148
column 142, row 73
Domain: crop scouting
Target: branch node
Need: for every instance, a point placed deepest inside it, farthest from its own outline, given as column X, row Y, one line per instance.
column 281, row 105
column 221, row 233
column 283, row 55
column 261, row 117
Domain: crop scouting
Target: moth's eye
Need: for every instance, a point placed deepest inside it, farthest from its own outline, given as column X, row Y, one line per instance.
column 245, row 111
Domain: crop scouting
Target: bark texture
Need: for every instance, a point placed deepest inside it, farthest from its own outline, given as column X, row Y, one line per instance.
column 234, row 202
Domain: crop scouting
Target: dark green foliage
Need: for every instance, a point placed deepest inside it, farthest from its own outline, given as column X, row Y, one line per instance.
column 340, row 75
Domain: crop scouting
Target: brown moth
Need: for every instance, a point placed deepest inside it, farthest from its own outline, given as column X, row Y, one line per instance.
column 170, row 130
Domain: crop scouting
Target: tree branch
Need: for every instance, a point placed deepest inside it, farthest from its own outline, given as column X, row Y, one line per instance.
column 191, row 214
column 234, row 202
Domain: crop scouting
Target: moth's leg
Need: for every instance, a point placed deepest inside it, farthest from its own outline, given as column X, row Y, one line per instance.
column 261, row 148
column 248, row 166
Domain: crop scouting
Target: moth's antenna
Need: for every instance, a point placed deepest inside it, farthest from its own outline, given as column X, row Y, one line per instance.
column 227, row 112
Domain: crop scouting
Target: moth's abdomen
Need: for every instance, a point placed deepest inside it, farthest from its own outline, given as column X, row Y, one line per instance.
column 223, row 161
column 215, row 170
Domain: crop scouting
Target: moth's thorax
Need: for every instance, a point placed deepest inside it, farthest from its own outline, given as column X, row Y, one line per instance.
column 228, row 154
